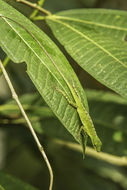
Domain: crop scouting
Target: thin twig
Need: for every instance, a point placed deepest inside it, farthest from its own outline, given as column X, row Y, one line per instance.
column 35, row 12
column 35, row 6
column 5, row 62
column 112, row 159
column 14, row 95
column 38, row 18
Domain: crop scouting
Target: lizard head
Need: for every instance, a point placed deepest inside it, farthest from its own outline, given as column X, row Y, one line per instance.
column 97, row 143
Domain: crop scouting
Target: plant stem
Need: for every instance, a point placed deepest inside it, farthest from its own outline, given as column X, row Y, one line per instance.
column 5, row 62
column 41, row 2
column 38, row 18
column 35, row 12
column 112, row 159
column 14, row 95
column 35, row 6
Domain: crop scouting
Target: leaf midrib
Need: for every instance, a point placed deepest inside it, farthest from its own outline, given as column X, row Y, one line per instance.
column 87, row 22
column 89, row 39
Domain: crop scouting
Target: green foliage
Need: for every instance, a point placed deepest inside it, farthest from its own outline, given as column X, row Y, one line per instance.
column 8, row 182
column 47, row 125
column 96, row 40
column 111, row 122
column 41, row 56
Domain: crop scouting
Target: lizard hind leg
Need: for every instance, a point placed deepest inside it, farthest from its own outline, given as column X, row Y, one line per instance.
column 66, row 97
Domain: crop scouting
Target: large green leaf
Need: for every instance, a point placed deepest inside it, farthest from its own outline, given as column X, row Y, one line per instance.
column 96, row 39
column 8, row 182
column 25, row 42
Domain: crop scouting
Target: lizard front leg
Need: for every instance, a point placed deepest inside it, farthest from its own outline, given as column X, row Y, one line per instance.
column 83, row 138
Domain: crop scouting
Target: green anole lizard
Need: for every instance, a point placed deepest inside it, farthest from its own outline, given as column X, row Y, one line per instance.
column 87, row 128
